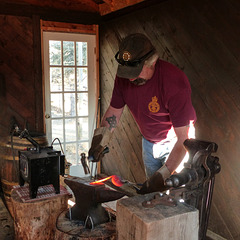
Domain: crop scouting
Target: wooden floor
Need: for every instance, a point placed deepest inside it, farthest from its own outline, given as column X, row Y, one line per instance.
column 6, row 222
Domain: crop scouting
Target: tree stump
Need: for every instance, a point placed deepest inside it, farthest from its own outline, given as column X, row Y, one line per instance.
column 67, row 229
column 36, row 218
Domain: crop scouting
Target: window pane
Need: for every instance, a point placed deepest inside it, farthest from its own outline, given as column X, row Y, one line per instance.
column 70, row 153
column 68, row 53
column 70, row 130
column 69, row 79
column 81, row 52
column 83, row 148
column 55, row 52
column 82, row 128
column 56, row 105
column 69, row 104
column 57, row 129
column 55, row 79
column 82, row 104
column 82, row 79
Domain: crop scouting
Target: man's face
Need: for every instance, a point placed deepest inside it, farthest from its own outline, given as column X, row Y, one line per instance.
column 143, row 77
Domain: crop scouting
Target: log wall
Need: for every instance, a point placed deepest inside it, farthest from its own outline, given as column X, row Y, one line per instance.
column 20, row 73
column 202, row 38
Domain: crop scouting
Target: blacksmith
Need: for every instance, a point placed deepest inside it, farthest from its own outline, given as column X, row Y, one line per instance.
column 158, row 95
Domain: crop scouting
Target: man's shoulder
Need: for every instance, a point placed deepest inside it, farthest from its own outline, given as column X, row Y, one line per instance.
column 167, row 66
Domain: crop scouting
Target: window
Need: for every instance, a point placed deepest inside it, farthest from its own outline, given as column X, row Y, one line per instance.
column 70, row 93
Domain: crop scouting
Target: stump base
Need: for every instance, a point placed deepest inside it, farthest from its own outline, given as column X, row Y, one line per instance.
column 67, row 229
column 36, row 218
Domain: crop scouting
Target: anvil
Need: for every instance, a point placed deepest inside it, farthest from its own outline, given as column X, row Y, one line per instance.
column 88, row 208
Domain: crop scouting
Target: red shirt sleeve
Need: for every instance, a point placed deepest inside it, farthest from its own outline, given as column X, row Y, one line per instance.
column 117, row 100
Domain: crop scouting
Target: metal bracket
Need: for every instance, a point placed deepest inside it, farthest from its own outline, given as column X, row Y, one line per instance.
column 160, row 199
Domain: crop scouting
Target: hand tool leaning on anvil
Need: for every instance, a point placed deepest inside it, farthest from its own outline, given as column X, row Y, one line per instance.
column 101, row 138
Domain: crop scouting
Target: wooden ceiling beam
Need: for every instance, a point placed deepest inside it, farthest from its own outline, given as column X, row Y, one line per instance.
column 50, row 14
column 129, row 9
column 75, row 5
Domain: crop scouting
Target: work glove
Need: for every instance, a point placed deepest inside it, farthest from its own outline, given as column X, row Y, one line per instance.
column 101, row 138
column 156, row 182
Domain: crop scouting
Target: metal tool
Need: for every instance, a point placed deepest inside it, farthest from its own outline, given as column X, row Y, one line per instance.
column 160, row 199
column 84, row 163
column 194, row 184
column 91, row 159
column 135, row 186
column 105, row 150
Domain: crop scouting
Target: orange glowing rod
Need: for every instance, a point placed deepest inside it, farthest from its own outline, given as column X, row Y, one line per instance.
column 115, row 180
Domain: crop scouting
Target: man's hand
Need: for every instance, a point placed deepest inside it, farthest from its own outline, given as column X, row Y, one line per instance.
column 156, row 182
column 99, row 142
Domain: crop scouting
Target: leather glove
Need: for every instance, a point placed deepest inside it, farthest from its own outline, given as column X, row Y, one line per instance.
column 156, row 182
column 101, row 138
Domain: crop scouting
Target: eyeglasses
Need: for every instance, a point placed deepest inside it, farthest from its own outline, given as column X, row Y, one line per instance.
column 133, row 63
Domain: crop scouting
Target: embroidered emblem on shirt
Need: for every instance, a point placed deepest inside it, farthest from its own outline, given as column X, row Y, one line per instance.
column 126, row 56
column 154, row 106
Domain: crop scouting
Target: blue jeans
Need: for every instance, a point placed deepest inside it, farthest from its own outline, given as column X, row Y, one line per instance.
column 155, row 155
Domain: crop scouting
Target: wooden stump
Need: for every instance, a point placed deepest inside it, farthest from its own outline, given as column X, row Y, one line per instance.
column 67, row 229
column 36, row 219
column 136, row 222
column 6, row 223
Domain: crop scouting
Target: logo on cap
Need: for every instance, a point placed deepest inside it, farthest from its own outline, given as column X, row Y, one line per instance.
column 126, row 56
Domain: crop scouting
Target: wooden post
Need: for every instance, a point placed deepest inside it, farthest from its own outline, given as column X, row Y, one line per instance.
column 160, row 222
column 36, row 219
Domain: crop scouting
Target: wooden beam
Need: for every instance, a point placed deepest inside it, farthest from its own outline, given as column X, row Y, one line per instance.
column 75, row 5
column 50, row 14
column 37, row 74
column 130, row 9
column 68, row 27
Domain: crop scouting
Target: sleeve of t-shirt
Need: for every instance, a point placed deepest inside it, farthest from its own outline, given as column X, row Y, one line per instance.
column 117, row 100
column 181, row 109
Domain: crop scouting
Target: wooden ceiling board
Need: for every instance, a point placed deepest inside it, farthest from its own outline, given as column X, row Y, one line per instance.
column 75, row 5
column 94, row 6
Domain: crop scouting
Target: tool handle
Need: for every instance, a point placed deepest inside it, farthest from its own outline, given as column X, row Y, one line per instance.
column 105, row 150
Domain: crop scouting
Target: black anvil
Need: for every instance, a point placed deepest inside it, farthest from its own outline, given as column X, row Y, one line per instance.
column 88, row 198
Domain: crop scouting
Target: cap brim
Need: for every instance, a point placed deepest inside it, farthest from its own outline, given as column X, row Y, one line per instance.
column 129, row 72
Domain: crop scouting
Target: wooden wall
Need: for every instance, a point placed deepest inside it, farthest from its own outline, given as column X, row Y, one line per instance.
column 203, row 39
column 20, row 74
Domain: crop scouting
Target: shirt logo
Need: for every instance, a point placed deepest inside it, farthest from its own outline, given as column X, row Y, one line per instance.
column 126, row 56
column 154, row 106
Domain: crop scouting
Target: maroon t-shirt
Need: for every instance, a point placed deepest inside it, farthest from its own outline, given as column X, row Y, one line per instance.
column 164, row 101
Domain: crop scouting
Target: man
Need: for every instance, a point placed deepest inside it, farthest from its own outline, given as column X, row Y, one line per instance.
column 158, row 95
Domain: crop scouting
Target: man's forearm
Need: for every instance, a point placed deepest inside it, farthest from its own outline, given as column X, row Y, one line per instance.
column 111, row 118
column 176, row 156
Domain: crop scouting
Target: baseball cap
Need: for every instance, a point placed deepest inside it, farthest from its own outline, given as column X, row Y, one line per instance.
column 133, row 51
